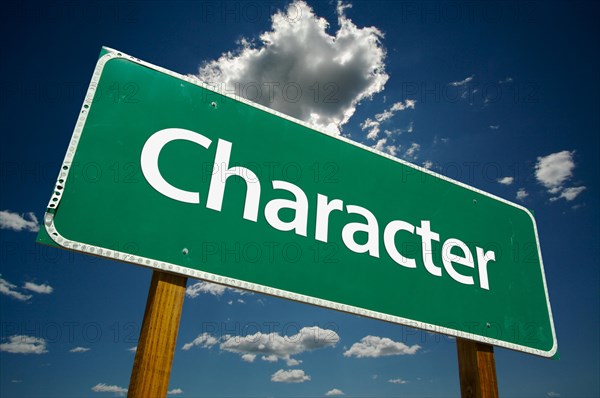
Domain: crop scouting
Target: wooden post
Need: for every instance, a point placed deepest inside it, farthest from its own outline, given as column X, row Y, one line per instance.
column 156, row 346
column 477, row 369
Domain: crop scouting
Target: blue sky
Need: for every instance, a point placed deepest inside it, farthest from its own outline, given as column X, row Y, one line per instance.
column 500, row 95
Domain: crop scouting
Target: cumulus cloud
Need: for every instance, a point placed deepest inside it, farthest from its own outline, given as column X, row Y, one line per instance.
column 290, row 376
column 506, row 180
column 375, row 347
column 554, row 170
column 175, row 391
column 204, row 340
column 494, row 126
column 40, row 289
column 21, row 344
column 10, row 290
column 79, row 349
column 270, row 347
column 397, row 381
column 428, row 164
column 17, row 222
column 334, row 393
column 522, row 194
column 300, row 69
column 101, row 387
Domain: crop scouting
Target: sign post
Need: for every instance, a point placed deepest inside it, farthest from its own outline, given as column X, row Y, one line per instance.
column 477, row 369
column 156, row 345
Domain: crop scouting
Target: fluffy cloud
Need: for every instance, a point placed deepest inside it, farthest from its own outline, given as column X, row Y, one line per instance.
column 506, row 180
column 101, row 387
column 494, row 126
column 17, row 222
column 79, row 349
column 428, row 164
column 9, row 290
column 397, row 381
column 270, row 347
column 334, row 393
column 175, row 391
column 374, row 347
column 554, row 170
column 204, row 340
column 21, row 344
column 290, row 376
column 40, row 289
column 522, row 194
column 299, row 69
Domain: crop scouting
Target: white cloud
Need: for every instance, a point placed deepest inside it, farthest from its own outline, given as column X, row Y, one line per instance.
column 554, row 170
column 391, row 111
column 101, row 387
column 175, row 391
column 397, row 381
column 462, row 82
column 569, row 193
column 372, row 126
column 553, row 394
column 196, row 289
column 334, row 393
column 199, row 288
column 79, row 349
column 290, row 376
column 380, row 146
column 132, row 349
column 374, row 347
column 506, row 180
column 271, row 347
column 494, row 126
column 508, row 79
column 428, row 164
column 522, row 194
column 411, row 152
column 17, row 222
column 21, row 344
column 299, row 69
column 204, row 340
column 41, row 289
column 9, row 289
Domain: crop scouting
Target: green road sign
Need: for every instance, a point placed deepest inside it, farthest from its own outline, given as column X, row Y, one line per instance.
column 164, row 172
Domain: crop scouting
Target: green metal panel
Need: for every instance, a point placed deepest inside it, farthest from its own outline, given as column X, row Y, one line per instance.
column 104, row 205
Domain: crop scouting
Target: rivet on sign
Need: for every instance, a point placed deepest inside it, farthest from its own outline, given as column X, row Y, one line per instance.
column 488, row 325
column 474, row 201
column 185, row 251
column 213, row 104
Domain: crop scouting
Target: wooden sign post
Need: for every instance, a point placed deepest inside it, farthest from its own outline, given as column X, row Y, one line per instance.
column 477, row 369
column 156, row 346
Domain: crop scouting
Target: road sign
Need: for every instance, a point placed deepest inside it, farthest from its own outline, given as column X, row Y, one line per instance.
column 164, row 172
